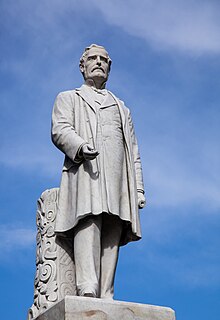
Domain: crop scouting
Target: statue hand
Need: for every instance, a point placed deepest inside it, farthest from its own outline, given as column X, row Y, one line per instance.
column 141, row 200
column 89, row 153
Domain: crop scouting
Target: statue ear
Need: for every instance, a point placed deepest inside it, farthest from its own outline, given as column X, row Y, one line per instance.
column 81, row 68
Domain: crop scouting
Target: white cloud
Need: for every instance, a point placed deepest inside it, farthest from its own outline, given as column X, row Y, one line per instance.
column 171, row 182
column 189, row 26
column 43, row 159
column 16, row 242
column 189, row 269
column 176, row 177
column 181, row 248
column 12, row 237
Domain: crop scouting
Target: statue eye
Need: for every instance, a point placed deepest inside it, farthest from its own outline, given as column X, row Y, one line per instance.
column 92, row 58
column 104, row 59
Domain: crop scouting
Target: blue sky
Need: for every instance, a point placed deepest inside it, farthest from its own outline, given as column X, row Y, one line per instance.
column 166, row 68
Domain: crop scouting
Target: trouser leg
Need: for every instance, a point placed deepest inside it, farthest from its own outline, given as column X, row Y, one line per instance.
column 111, row 234
column 87, row 250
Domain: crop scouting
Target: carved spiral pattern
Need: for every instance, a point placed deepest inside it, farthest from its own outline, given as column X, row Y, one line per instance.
column 50, row 231
column 50, row 215
column 55, row 275
column 69, row 276
column 46, row 271
column 66, row 289
column 38, row 237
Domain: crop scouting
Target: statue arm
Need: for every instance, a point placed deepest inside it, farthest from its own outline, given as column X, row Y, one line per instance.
column 63, row 133
column 137, row 165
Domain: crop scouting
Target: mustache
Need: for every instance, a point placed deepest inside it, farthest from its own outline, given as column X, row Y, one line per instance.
column 98, row 68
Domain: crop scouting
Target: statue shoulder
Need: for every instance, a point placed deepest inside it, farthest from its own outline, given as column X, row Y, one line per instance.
column 67, row 93
column 65, row 97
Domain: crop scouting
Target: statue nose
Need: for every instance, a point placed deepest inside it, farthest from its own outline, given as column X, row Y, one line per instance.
column 98, row 61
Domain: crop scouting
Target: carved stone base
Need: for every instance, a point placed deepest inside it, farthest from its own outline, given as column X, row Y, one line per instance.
column 81, row 308
column 55, row 269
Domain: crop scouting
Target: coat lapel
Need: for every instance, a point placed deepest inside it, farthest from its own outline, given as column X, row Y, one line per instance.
column 122, row 113
column 89, row 98
column 84, row 94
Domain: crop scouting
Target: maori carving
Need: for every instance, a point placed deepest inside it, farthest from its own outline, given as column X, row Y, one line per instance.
column 55, row 274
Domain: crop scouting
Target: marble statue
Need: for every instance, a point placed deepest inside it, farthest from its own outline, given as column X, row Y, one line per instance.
column 101, row 186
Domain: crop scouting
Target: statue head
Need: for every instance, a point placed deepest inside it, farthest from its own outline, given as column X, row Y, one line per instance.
column 95, row 65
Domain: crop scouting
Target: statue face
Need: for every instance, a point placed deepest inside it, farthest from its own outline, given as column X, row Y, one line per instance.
column 96, row 66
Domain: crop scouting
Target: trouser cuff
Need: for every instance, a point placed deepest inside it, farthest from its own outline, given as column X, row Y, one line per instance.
column 82, row 290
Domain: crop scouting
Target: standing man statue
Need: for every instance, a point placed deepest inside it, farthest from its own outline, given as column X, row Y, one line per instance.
column 101, row 187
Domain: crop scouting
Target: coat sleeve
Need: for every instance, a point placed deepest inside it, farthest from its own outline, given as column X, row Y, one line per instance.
column 136, row 156
column 63, row 133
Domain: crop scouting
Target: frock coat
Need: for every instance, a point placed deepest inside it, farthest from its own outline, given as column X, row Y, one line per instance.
column 108, row 183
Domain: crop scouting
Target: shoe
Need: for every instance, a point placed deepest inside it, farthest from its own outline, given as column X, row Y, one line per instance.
column 89, row 294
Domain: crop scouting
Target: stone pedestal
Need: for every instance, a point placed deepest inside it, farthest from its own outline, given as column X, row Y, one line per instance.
column 81, row 308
